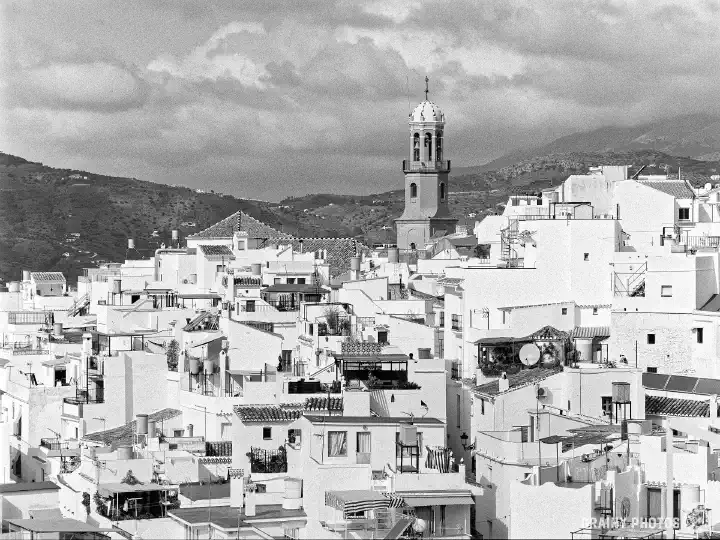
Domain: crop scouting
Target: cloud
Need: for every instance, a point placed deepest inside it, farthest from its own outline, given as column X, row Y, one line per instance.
column 97, row 86
column 319, row 91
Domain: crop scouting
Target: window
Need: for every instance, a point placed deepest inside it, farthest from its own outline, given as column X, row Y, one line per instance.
column 684, row 214
column 267, row 433
column 241, row 245
column 651, row 339
column 606, row 404
column 301, row 281
column 442, row 191
column 442, row 318
column 413, row 190
column 220, row 268
column 291, row 281
column 363, row 442
column 250, row 306
column 428, row 145
column 699, row 334
column 295, row 437
column 564, row 311
column 416, row 147
column 586, row 257
column 666, row 291
column 382, row 336
column 651, row 369
column 456, row 321
column 277, row 281
column 595, row 311
column 337, row 443
column 482, row 406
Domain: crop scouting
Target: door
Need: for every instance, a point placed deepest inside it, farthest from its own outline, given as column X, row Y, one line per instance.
column 654, row 503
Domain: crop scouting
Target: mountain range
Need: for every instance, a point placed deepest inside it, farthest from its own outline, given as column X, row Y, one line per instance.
column 67, row 220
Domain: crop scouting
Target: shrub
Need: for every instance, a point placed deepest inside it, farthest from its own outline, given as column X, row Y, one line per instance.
column 172, row 353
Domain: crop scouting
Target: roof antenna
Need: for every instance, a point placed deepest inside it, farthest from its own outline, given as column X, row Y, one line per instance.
column 426, row 87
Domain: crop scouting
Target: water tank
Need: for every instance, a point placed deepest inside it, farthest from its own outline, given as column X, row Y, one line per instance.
column 208, row 366
column 131, row 243
column 124, row 452
column 292, row 500
column 142, row 424
column 393, row 255
column 189, row 430
column 26, row 275
column 194, row 366
column 408, row 435
column 151, row 428
column 58, row 329
column 355, row 264
column 117, row 286
column 256, row 269
column 13, row 286
column 175, row 234
column 620, row 392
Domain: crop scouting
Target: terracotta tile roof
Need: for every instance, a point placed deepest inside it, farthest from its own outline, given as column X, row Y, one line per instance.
column 286, row 412
column 47, row 277
column 665, row 406
column 521, row 379
column 239, row 221
column 269, row 413
column 589, row 332
column 123, row 435
column 339, row 251
column 223, row 251
column 677, row 188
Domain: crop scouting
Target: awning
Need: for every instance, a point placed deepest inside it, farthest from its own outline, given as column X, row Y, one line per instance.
column 356, row 500
column 396, row 501
column 206, row 341
column 107, row 490
column 440, row 500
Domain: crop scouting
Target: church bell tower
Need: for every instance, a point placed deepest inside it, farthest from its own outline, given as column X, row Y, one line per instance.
column 426, row 170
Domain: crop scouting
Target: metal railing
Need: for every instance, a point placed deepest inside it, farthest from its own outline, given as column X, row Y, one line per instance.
column 283, row 305
column 31, row 317
column 693, row 242
column 268, row 461
column 257, row 308
column 426, row 165
column 54, row 444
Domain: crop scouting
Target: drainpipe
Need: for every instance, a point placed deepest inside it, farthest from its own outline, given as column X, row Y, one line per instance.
column 669, row 497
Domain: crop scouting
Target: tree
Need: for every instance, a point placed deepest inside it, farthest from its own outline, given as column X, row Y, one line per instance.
column 173, row 350
column 86, row 501
column 482, row 251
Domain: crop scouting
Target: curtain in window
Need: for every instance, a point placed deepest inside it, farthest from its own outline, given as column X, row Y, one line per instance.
column 363, row 442
column 337, row 443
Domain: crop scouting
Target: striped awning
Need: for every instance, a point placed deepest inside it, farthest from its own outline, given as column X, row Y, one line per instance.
column 396, row 501
column 356, row 500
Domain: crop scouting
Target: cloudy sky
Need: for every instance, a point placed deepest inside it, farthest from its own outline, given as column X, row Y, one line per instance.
column 268, row 98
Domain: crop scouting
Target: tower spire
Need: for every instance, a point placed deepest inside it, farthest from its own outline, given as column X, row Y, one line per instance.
column 426, row 87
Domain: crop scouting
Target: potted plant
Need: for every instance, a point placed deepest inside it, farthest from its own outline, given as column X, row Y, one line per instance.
column 332, row 318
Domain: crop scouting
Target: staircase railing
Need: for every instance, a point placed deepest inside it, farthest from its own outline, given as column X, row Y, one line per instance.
column 630, row 284
column 78, row 305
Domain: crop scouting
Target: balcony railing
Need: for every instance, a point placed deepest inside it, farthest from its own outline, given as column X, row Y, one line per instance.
column 257, row 308
column 443, row 166
column 218, row 448
column 54, row 444
column 283, row 305
column 268, row 461
column 30, row 317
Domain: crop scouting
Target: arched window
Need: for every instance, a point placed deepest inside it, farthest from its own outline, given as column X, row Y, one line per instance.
column 412, row 246
column 428, row 145
column 416, row 147
column 438, row 146
column 413, row 190
column 442, row 191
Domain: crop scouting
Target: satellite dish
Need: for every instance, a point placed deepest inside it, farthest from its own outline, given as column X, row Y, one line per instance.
column 420, row 525
column 529, row 354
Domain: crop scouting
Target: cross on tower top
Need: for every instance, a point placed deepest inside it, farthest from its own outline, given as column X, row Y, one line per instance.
column 426, row 87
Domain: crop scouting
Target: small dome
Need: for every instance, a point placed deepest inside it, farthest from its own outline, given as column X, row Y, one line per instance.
column 427, row 111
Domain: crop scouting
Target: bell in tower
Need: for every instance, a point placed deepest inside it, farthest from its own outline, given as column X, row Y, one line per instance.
column 426, row 214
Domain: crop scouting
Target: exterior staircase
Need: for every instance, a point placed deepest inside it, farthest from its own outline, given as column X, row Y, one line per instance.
column 509, row 237
column 79, row 305
column 630, row 283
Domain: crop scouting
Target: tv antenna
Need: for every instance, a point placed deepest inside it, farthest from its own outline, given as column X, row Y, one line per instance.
column 529, row 354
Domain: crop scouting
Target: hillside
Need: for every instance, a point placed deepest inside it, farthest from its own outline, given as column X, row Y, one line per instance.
column 66, row 220
column 58, row 219
column 696, row 136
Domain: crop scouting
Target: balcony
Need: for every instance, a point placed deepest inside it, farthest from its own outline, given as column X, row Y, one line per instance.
column 31, row 317
column 426, row 166
column 313, row 387
column 56, row 444
column 268, row 461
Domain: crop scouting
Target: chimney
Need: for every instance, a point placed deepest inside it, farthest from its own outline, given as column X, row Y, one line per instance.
column 355, row 269
column 504, row 383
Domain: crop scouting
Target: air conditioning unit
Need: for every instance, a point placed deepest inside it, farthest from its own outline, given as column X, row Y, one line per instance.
column 541, row 392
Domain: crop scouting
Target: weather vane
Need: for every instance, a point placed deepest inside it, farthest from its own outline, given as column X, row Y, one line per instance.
column 426, row 87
